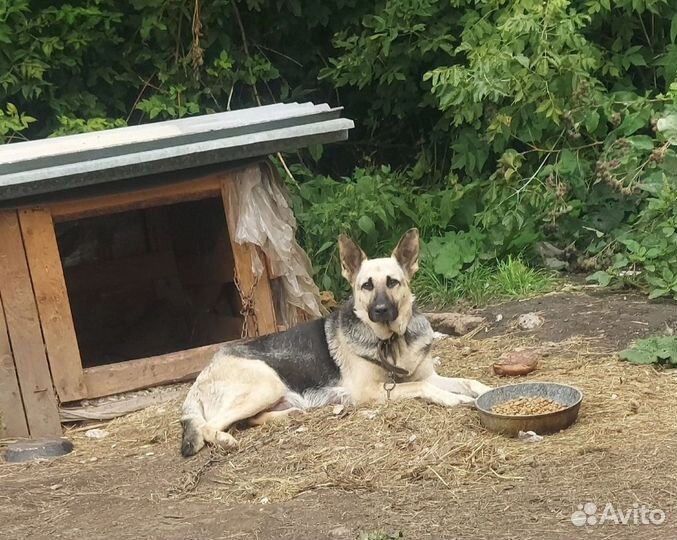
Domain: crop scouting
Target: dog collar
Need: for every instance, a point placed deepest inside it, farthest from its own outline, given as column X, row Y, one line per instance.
column 387, row 359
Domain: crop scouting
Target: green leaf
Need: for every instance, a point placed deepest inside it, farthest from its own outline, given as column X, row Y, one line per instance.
column 641, row 142
column 568, row 162
column 673, row 29
column 631, row 123
column 601, row 277
column 316, row 151
column 448, row 264
column 657, row 293
column 668, row 127
column 592, row 121
column 652, row 350
column 324, row 247
column 638, row 356
column 523, row 60
column 367, row 225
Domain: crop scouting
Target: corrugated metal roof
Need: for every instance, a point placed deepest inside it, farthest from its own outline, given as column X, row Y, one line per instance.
column 73, row 161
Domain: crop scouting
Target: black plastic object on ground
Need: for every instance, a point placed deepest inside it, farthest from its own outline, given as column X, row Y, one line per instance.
column 29, row 450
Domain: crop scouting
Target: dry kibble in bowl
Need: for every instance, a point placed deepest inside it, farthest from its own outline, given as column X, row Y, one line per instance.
column 527, row 406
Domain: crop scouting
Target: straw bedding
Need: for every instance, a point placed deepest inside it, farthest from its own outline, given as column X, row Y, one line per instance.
column 627, row 414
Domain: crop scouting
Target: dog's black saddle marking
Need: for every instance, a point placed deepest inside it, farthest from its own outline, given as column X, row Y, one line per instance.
column 300, row 356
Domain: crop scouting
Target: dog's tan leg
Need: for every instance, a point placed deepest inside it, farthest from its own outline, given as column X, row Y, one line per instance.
column 268, row 417
column 427, row 391
column 467, row 387
column 234, row 389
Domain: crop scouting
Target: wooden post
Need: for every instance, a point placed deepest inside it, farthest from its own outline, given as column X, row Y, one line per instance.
column 44, row 262
column 252, row 288
column 25, row 335
column 12, row 414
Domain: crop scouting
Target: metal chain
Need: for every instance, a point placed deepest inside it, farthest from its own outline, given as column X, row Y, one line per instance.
column 248, row 313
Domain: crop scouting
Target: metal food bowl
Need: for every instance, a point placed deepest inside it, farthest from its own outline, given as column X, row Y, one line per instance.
column 564, row 394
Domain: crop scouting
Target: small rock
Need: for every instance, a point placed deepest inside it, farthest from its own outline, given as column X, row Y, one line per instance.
column 634, row 406
column 455, row 324
column 340, row 533
column 150, row 453
column 301, row 429
column 555, row 264
column 529, row 321
column 264, row 500
column 516, row 363
column 337, row 409
column 412, row 438
column 499, row 317
column 369, row 414
column 54, row 487
column 546, row 249
column 529, row 436
column 93, row 459
column 439, row 335
column 96, row 434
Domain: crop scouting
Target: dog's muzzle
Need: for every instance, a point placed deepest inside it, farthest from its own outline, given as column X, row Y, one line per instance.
column 383, row 312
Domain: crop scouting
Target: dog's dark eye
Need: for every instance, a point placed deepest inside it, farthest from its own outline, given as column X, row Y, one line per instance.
column 368, row 285
column 390, row 282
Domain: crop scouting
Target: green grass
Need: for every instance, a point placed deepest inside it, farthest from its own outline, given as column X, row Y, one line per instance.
column 510, row 279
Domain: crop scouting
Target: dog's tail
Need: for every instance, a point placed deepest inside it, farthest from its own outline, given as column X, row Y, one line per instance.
column 192, row 421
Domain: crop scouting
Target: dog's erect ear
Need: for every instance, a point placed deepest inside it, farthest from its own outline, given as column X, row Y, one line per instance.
column 406, row 252
column 352, row 257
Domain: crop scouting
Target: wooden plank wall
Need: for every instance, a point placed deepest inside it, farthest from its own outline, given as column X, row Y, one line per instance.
column 39, row 354
column 12, row 415
column 136, row 374
column 25, row 334
column 44, row 262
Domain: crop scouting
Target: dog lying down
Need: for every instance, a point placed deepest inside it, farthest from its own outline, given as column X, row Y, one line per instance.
column 374, row 347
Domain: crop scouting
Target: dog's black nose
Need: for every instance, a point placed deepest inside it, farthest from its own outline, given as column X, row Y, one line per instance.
column 381, row 309
column 382, row 313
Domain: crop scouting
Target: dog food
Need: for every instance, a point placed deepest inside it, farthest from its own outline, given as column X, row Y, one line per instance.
column 527, row 406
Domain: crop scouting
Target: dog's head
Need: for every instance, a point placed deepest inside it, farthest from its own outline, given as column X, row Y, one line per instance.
column 381, row 287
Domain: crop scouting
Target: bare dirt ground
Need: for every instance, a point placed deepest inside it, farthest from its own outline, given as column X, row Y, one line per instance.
column 412, row 468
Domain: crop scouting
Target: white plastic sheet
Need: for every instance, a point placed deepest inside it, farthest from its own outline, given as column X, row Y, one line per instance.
column 266, row 219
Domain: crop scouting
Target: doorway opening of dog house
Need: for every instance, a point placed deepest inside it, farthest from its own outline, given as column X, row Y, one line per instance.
column 150, row 281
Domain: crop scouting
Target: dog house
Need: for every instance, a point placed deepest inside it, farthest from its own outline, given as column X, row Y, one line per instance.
column 128, row 256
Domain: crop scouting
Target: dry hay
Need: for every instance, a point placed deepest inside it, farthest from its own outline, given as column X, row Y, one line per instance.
column 627, row 410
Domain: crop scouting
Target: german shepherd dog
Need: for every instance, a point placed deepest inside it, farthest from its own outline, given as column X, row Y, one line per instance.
column 373, row 348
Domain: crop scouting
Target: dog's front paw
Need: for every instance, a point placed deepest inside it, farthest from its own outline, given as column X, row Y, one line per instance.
column 456, row 400
column 476, row 388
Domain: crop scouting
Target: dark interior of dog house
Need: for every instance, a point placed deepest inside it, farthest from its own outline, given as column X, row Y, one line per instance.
column 151, row 281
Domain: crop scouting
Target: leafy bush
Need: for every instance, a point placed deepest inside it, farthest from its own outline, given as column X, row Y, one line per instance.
column 546, row 113
column 490, row 125
column 652, row 350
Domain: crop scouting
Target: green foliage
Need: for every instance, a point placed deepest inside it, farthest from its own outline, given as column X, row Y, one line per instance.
column 12, row 123
column 481, row 283
column 555, row 126
column 652, row 350
column 646, row 250
column 490, row 125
